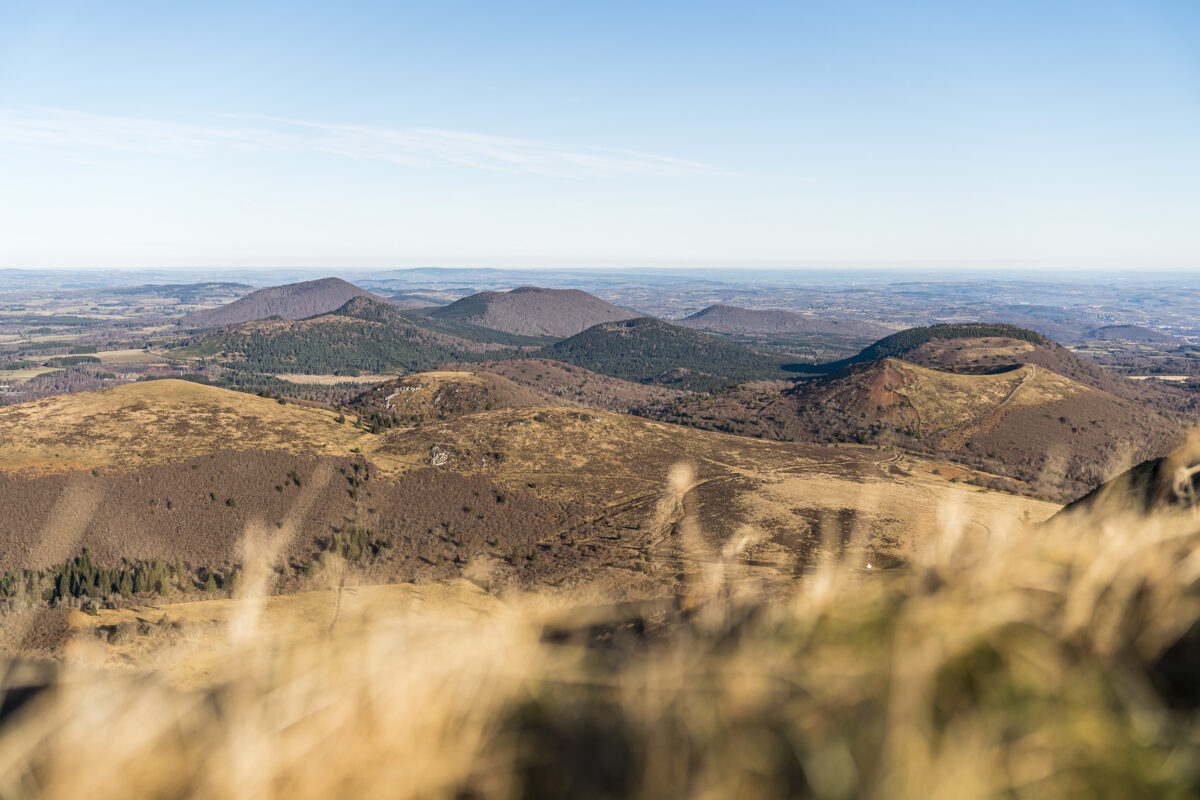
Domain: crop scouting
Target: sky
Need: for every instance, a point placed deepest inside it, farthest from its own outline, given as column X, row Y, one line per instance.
column 592, row 134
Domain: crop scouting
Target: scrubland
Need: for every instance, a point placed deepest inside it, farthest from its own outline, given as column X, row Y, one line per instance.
column 1038, row 661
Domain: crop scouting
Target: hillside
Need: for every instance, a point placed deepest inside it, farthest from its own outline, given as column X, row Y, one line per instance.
column 619, row 463
column 647, row 350
column 360, row 336
column 291, row 301
column 439, row 395
column 564, row 384
column 977, row 347
column 731, row 319
column 156, row 422
column 1025, row 422
column 183, row 473
column 533, row 311
column 903, row 342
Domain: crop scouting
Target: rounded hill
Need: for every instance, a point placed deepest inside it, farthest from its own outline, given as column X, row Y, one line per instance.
column 1055, row 435
column 647, row 350
column 903, row 342
column 440, row 395
column 1133, row 333
column 732, row 319
column 291, row 301
column 533, row 311
column 981, row 347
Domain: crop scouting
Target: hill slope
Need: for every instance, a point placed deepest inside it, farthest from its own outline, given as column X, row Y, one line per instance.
column 156, row 422
column 362, row 335
column 533, row 311
column 185, row 473
column 439, row 395
column 565, row 384
column 731, row 319
column 1024, row 422
column 978, row 347
column 291, row 301
column 903, row 342
column 647, row 350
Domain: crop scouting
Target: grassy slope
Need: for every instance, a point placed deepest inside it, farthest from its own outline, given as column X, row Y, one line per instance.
column 566, row 384
column 156, row 422
column 601, row 474
column 1058, row 435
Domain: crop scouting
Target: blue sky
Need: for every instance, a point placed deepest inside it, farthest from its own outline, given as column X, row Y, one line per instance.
column 599, row 133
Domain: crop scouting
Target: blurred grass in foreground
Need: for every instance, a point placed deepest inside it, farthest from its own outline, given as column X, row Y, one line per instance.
column 1045, row 662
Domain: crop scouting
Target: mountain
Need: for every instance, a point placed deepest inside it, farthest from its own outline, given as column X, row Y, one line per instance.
column 619, row 463
column 533, row 311
column 362, row 335
column 904, row 342
column 1133, row 333
column 1001, row 400
column 731, row 319
column 979, row 347
column 291, row 301
column 184, row 473
column 647, row 350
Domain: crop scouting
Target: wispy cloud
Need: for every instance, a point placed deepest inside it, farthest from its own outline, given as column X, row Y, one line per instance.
column 74, row 134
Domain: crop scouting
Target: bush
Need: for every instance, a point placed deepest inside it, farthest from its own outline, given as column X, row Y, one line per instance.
column 122, row 633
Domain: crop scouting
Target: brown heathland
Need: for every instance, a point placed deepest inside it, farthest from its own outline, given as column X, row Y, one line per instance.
column 565, row 384
column 538, row 495
column 1059, row 435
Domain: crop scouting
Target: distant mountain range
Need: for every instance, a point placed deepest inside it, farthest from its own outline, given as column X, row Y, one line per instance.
column 369, row 336
column 987, row 395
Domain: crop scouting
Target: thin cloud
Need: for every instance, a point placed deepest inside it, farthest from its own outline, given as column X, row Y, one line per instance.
column 74, row 133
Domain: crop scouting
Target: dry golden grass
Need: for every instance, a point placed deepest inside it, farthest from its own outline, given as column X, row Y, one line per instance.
column 945, row 400
column 958, row 351
column 617, row 461
column 1024, row 663
column 188, row 645
column 157, row 422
